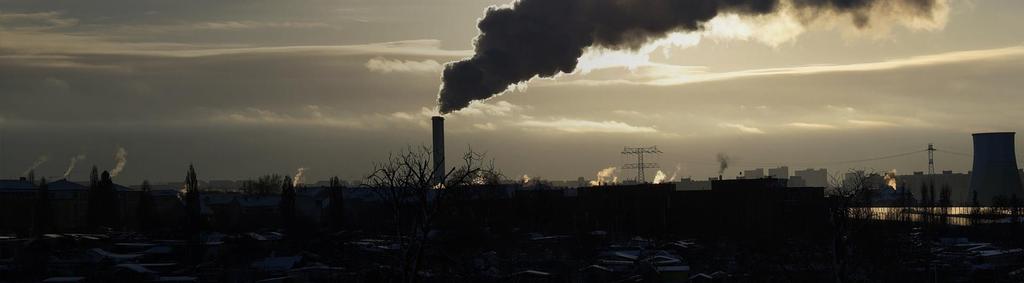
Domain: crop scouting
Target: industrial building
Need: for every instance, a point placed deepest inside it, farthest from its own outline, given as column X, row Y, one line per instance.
column 995, row 176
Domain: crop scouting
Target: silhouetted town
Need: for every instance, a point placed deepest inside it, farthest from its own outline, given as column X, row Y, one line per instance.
column 410, row 221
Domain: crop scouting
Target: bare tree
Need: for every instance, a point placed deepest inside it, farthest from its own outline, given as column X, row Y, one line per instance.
column 406, row 182
column 851, row 196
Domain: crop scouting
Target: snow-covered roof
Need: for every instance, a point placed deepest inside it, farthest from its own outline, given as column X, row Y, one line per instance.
column 16, row 185
column 116, row 257
column 64, row 279
column 281, row 263
column 136, row 268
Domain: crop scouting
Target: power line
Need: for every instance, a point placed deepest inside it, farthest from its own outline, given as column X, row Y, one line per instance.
column 954, row 152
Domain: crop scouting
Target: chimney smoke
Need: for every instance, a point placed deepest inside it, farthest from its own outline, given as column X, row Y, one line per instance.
column 121, row 157
column 543, row 38
column 71, row 165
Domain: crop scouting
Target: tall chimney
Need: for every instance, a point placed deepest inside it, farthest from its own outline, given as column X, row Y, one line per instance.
column 438, row 148
column 995, row 167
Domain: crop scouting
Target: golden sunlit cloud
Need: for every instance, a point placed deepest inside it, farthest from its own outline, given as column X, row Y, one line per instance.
column 658, row 74
column 384, row 65
column 742, row 128
column 585, row 126
column 814, row 126
column 872, row 123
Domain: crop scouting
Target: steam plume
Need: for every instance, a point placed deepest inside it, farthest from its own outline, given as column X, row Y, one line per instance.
column 39, row 161
column 659, row 177
column 890, row 179
column 723, row 162
column 605, row 176
column 675, row 174
column 530, row 38
column 122, row 158
column 71, row 165
column 299, row 177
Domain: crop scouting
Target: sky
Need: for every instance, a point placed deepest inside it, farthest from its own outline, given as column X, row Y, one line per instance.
column 245, row 88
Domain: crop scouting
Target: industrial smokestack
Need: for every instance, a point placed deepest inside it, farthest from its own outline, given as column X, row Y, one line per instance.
column 438, row 148
column 995, row 172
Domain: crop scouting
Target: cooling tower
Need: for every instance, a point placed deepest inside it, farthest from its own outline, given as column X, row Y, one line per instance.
column 438, row 148
column 995, row 167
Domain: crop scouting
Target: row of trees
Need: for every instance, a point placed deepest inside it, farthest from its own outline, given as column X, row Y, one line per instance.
column 103, row 208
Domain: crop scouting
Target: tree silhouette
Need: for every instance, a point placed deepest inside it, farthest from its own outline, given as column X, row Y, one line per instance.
column 264, row 185
column 144, row 210
column 109, row 209
column 336, row 210
column 95, row 197
column 406, row 182
column 845, row 188
column 193, row 215
column 924, row 194
column 44, row 212
column 192, row 206
column 945, row 195
column 287, row 205
column 931, row 194
column 103, row 206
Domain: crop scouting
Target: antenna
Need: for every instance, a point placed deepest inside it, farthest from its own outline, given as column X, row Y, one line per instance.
column 640, row 165
column 931, row 159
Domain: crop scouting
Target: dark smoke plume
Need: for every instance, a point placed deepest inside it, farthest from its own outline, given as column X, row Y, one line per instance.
column 543, row 38
column 723, row 162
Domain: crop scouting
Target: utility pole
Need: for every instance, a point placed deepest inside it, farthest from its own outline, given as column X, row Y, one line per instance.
column 640, row 165
column 931, row 159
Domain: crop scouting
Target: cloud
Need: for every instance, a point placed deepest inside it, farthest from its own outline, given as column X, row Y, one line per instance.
column 872, row 123
column 257, row 116
column 742, row 128
column 586, row 126
column 232, row 25
column 846, row 109
column 813, row 126
column 486, row 126
column 384, row 65
column 35, row 21
column 60, row 43
column 661, row 74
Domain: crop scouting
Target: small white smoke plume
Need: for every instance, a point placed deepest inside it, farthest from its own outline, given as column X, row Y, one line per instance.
column 299, row 177
column 39, row 161
column 675, row 174
column 71, row 165
column 606, row 176
column 890, row 179
column 659, row 177
column 121, row 157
